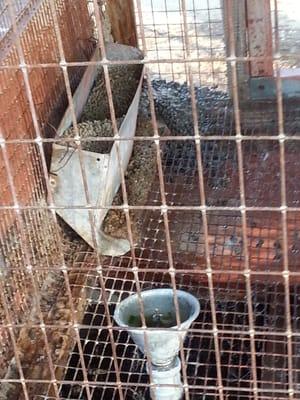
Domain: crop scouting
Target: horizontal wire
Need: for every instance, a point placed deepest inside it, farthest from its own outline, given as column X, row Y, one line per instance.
column 146, row 385
column 236, row 332
column 161, row 208
column 145, row 61
column 204, row 138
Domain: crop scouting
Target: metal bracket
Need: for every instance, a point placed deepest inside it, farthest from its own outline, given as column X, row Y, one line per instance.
column 265, row 88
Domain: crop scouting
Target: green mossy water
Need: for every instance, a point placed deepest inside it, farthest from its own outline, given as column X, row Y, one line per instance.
column 163, row 320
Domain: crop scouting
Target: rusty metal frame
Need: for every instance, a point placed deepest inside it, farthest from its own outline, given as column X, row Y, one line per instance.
column 262, row 79
column 246, row 274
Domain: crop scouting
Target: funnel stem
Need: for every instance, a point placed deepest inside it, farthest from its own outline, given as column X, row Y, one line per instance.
column 169, row 376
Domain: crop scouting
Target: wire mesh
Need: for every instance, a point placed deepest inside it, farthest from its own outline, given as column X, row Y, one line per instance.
column 163, row 31
column 219, row 217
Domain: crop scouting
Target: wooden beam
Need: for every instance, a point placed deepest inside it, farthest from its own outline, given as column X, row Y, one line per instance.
column 259, row 26
column 122, row 20
column 236, row 10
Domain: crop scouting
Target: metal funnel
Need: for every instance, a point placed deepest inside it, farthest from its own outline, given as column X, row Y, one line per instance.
column 159, row 309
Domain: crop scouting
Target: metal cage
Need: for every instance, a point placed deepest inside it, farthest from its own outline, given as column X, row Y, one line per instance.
column 209, row 203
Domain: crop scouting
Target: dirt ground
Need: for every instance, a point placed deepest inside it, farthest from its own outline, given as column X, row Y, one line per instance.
column 164, row 34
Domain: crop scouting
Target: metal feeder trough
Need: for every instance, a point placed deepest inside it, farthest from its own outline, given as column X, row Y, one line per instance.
column 102, row 171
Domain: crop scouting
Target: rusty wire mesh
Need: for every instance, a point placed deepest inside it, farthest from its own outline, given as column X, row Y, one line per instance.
column 221, row 219
column 164, row 34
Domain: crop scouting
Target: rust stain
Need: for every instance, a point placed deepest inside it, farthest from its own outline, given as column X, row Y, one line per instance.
column 259, row 25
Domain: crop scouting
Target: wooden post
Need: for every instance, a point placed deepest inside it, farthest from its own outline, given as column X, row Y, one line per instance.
column 122, row 20
column 259, row 27
column 236, row 9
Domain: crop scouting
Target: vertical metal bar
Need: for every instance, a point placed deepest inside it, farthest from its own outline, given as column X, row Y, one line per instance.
column 4, row 303
column 239, row 137
column 210, row 40
column 169, row 39
column 164, row 211
column 164, row 208
column 13, row 338
column 196, row 37
column 21, row 222
column 24, row 69
column 156, row 46
column 91, row 215
column 203, row 210
column 26, row 252
column 284, row 207
column 123, row 187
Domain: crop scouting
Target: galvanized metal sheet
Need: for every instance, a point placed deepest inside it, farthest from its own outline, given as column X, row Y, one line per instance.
column 102, row 170
column 127, row 130
column 265, row 88
column 68, row 191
